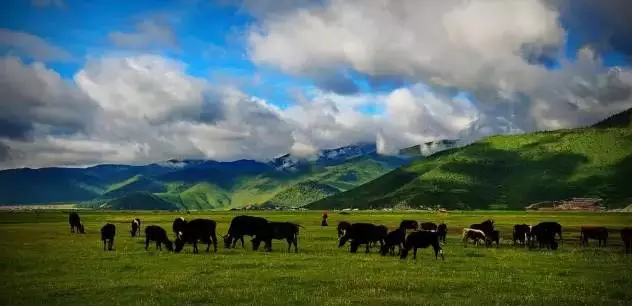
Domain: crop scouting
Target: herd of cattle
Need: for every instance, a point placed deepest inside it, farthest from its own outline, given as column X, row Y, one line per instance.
column 409, row 235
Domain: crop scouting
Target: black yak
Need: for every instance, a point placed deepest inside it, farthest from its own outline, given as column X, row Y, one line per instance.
column 108, row 231
column 203, row 230
column 277, row 230
column 178, row 226
column 422, row 239
column 75, row 223
column 159, row 235
column 442, row 230
column 363, row 233
column 599, row 233
column 243, row 225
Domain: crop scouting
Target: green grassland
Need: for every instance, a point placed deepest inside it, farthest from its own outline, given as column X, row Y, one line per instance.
column 508, row 172
column 42, row 263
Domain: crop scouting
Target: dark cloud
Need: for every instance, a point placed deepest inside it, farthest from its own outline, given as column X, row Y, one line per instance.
column 603, row 24
column 18, row 130
column 36, row 100
column 5, row 152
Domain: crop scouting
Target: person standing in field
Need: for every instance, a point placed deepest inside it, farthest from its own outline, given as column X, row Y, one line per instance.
column 324, row 221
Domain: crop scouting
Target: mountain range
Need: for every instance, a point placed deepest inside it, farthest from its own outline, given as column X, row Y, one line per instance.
column 496, row 172
column 201, row 184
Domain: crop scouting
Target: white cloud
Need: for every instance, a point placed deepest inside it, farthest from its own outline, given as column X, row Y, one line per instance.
column 139, row 109
column 480, row 46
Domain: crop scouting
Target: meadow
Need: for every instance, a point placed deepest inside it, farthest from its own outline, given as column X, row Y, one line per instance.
column 41, row 262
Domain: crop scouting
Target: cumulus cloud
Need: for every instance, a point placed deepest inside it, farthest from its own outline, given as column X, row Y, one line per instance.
column 32, row 46
column 455, row 69
column 130, row 110
column 150, row 33
column 493, row 49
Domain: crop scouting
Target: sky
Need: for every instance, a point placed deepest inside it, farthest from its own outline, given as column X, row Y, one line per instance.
column 135, row 82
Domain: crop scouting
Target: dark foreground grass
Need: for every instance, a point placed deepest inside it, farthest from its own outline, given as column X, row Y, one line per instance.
column 41, row 263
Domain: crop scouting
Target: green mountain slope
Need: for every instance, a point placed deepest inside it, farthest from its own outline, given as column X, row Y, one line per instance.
column 301, row 193
column 135, row 201
column 509, row 172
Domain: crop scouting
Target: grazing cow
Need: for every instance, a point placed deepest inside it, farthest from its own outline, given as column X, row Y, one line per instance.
column 494, row 236
column 409, row 224
column 394, row 238
column 159, row 235
column 277, row 230
column 521, row 233
column 599, row 233
column 442, row 230
column 75, row 223
column 343, row 226
column 421, row 239
column 363, row 233
column 486, row 226
column 544, row 234
column 553, row 227
column 243, row 225
column 178, row 226
column 108, row 231
column 428, row 226
column 135, row 227
column 474, row 235
column 197, row 230
column 626, row 236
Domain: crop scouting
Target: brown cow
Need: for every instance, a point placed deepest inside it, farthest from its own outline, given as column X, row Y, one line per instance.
column 599, row 233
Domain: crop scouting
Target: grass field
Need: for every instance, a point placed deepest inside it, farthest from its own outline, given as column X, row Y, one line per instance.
column 42, row 263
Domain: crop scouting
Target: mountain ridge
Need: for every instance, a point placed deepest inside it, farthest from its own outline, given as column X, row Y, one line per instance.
column 509, row 172
column 200, row 184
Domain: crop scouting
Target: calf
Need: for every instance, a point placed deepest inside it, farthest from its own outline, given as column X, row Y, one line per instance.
column 135, row 227
column 599, row 233
column 197, row 230
column 521, row 233
column 178, row 226
column 343, row 226
column 428, row 226
column 393, row 238
column 243, row 225
column 363, row 233
column 442, row 230
column 75, row 223
column 421, row 239
column 544, row 235
column 494, row 236
column 108, row 231
column 626, row 236
column 409, row 224
column 277, row 230
column 159, row 235
column 473, row 234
